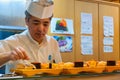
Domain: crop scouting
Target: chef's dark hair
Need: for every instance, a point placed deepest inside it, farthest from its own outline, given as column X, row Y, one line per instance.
column 27, row 15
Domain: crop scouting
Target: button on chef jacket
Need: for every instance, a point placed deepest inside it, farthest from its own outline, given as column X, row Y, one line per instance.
column 35, row 51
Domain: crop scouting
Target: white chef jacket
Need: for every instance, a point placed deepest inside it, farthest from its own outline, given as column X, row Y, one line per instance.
column 35, row 51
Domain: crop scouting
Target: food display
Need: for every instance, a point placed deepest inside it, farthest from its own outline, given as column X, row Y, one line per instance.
column 112, row 66
column 77, row 67
column 31, row 70
column 25, row 66
column 101, row 63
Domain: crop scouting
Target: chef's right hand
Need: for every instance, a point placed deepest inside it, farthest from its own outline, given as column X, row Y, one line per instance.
column 18, row 53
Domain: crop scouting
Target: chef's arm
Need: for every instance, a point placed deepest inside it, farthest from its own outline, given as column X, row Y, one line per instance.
column 16, row 54
column 4, row 57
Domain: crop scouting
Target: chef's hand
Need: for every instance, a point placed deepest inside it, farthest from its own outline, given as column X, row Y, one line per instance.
column 18, row 53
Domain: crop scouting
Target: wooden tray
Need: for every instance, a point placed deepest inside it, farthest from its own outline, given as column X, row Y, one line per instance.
column 112, row 68
column 84, row 69
column 31, row 72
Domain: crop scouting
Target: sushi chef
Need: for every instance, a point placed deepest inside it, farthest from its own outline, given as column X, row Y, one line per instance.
column 33, row 45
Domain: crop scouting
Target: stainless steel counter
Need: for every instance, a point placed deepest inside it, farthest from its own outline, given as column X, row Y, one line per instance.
column 85, row 76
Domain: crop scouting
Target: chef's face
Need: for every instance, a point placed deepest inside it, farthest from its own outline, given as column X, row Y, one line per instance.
column 38, row 27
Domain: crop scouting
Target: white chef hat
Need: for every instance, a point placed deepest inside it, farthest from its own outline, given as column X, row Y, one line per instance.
column 41, row 8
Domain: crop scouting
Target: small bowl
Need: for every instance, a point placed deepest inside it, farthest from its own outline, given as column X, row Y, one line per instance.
column 37, row 65
column 111, row 63
column 78, row 64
